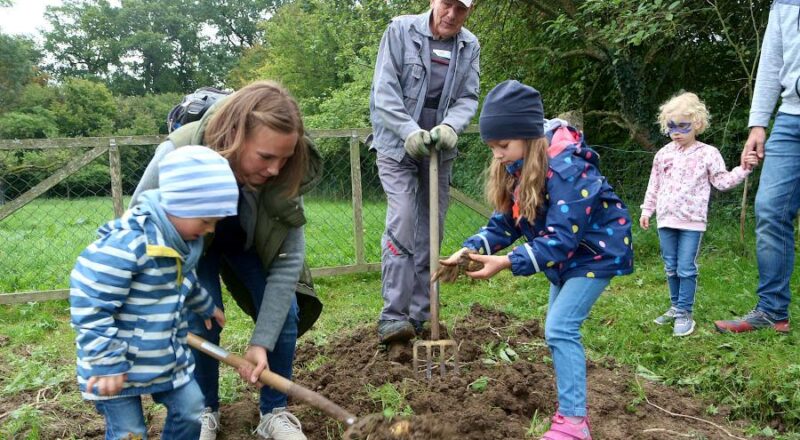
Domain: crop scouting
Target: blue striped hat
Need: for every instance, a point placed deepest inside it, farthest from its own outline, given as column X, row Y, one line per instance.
column 196, row 182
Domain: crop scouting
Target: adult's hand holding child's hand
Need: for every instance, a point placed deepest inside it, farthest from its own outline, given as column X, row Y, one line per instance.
column 755, row 143
column 750, row 160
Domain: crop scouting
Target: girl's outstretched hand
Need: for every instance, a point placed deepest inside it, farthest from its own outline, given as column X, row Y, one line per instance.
column 453, row 260
column 491, row 265
column 457, row 264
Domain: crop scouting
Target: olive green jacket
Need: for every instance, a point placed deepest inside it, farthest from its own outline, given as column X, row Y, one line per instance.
column 276, row 219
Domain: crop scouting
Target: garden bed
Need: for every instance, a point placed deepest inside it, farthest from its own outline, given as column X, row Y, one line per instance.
column 505, row 390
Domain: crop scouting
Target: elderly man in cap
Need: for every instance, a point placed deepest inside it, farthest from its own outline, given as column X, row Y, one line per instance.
column 424, row 93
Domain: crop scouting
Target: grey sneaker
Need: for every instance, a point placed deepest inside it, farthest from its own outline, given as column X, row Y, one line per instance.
column 394, row 331
column 280, row 424
column 684, row 324
column 667, row 317
column 209, row 424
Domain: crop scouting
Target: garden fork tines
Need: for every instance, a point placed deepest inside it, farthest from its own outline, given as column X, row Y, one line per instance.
column 437, row 351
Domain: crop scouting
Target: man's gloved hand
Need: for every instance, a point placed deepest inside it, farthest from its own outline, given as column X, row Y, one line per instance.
column 417, row 144
column 444, row 137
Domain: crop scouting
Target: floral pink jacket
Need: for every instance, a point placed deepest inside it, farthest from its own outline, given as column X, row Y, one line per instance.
column 680, row 185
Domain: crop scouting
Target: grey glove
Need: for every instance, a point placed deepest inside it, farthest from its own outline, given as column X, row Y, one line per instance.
column 444, row 137
column 417, row 144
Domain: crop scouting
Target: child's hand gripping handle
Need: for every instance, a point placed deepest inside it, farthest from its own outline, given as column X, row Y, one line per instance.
column 275, row 381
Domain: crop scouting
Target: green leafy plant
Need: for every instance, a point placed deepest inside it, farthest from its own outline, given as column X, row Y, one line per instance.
column 393, row 401
column 499, row 352
column 480, row 384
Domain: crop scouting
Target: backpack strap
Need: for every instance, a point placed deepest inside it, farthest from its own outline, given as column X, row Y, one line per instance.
column 187, row 135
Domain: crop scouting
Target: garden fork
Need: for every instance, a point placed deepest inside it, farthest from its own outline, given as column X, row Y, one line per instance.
column 435, row 348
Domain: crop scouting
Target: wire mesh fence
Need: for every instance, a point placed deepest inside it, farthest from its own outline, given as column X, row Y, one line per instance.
column 40, row 240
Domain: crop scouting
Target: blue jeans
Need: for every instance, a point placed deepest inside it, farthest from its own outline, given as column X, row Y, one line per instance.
column 228, row 245
column 569, row 306
column 124, row 415
column 679, row 249
column 777, row 202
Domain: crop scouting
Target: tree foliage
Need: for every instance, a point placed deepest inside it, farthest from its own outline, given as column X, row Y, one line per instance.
column 617, row 60
column 18, row 66
column 152, row 46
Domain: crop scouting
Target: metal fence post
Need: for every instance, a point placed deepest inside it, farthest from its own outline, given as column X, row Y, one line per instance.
column 115, row 167
column 355, row 179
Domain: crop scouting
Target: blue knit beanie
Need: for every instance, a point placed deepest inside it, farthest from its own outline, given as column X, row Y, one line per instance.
column 196, row 182
column 512, row 110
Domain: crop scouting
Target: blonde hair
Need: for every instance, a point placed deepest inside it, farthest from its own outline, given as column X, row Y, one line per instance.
column 685, row 104
column 533, row 175
column 260, row 104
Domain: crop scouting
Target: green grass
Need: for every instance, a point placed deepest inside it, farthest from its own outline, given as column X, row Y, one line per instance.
column 757, row 375
column 539, row 425
column 42, row 240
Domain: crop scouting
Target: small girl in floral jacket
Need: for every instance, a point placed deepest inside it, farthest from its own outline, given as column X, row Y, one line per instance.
column 678, row 192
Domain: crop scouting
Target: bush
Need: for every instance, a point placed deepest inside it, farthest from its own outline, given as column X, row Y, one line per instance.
column 15, row 125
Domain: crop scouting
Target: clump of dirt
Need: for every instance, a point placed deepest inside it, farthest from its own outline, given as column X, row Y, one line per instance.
column 449, row 274
column 505, row 379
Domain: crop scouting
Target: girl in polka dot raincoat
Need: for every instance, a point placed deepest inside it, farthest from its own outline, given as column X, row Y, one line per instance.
column 547, row 189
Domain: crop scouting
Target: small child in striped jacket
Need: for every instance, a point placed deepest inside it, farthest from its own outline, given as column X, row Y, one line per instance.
column 131, row 291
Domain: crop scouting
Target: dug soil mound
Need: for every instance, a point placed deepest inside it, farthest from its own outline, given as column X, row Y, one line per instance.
column 506, row 377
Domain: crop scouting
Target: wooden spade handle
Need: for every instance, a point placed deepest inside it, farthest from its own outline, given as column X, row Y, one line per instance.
column 433, row 223
column 275, row 381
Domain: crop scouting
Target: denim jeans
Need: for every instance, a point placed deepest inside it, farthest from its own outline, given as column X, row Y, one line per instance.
column 679, row 249
column 569, row 306
column 247, row 266
column 777, row 202
column 124, row 415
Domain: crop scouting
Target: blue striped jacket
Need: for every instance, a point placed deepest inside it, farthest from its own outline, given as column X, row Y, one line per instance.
column 128, row 301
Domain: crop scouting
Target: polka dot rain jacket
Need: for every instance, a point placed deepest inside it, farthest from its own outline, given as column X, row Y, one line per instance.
column 583, row 229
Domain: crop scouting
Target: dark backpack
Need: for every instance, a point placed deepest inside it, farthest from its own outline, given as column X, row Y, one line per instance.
column 193, row 107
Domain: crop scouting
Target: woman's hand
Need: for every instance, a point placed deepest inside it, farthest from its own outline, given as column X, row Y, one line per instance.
column 257, row 356
column 218, row 316
column 491, row 265
column 106, row 385
column 452, row 260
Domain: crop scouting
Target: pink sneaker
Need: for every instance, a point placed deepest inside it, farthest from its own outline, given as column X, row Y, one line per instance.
column 563, row 429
